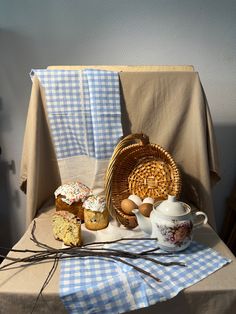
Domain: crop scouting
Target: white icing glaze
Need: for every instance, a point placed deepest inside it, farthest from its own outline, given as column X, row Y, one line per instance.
column 73, row 192
column 95, row 203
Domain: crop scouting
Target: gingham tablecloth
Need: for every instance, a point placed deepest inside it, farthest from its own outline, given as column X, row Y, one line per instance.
column 96, row 285
column 83, row 108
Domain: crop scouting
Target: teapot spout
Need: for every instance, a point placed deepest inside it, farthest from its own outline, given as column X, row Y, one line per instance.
column 143, row 222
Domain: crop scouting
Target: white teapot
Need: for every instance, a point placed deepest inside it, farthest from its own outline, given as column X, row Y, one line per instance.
column 171, row 222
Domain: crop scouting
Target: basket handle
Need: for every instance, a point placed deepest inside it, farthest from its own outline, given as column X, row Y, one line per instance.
column 109, row 173
column 136, row 136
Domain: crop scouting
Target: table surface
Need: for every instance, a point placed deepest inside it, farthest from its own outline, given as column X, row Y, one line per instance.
column 214, row 294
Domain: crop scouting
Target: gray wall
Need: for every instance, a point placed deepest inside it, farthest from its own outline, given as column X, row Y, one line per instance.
column 39, row 33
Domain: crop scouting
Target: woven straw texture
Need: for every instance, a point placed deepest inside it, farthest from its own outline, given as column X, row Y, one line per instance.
column 143, row 169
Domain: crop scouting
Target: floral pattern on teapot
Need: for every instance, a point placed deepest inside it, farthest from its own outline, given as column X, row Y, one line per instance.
column 179, row 234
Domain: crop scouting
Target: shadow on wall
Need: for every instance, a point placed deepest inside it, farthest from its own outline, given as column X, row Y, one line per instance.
column 226, row 141
column 17, row 56
column 9, row 198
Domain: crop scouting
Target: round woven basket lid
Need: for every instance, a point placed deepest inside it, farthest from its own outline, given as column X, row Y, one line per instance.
column 143, row 169
column 152, row 177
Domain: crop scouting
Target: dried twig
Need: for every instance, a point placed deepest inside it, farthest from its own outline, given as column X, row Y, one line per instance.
column 47, row 280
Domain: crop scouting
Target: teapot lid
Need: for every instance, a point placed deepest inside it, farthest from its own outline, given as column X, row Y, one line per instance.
column 172, row 207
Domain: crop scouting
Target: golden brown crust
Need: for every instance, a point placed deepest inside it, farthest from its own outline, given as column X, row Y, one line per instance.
column 96, row 220
column 75, row 208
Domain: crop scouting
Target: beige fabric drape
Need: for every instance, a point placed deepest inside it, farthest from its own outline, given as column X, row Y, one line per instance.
column 169, row 106
column 39, row 169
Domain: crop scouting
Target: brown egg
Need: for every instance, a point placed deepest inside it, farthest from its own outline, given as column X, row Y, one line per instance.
column 127, row 206
column 146, row 209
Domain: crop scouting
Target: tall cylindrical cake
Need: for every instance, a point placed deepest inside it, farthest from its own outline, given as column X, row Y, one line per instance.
column 70, row 197
column 96, row 215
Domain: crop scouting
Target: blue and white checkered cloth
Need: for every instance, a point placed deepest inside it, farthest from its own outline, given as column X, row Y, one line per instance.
column 96, row 285
column 84, row 112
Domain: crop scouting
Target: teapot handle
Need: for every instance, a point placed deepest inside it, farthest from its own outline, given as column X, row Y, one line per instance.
column 202, row 221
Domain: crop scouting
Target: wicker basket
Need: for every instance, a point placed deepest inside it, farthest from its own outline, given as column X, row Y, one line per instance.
column 142, row 169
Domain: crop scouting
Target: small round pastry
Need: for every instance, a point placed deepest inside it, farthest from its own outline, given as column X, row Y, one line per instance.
column 70, row 197
column 127, row 206
column 136, row 199
column 96, row 215
column 145, row 209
